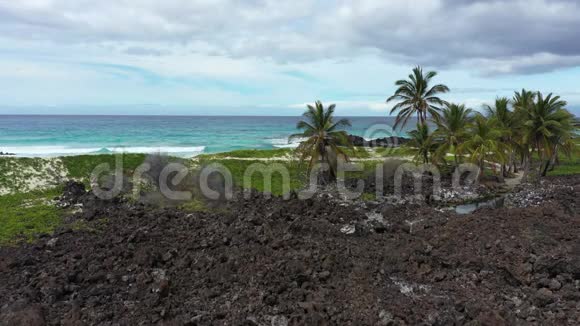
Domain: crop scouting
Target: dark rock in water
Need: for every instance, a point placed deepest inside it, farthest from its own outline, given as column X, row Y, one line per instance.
column 6, row 154
column 392, row 141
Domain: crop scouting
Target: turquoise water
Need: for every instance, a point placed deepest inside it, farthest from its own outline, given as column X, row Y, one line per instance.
column 185, row 135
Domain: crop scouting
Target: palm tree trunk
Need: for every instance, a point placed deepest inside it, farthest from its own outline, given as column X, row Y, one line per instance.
column 553, row 159
column 555, row 163
column 541, row 155
column 527, row 163
column 481, row 170
column 512, row 164
column 545, row 168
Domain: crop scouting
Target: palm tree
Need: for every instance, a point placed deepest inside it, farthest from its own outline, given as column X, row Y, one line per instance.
column 415, row 96
column 522, row 103
column 484, row 144
column 323, row 137
column 451, row 129
column 547, row 126
column 422, row 142
column 500, row 111
column 504, row 118
column 523, row 100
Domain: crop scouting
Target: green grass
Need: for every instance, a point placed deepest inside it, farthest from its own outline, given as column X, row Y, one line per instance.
column 284, row 153
column 567, row 166
column 394, row 152
column 18, row 174
column 565, row 170
column 250, row 153
column 297, row 172
column 194, row 205
column 238, row 168
column 24, row 216
column 80, row 167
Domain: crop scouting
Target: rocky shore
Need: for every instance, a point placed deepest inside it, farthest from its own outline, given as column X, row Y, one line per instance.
column 392, row 141
column 321, row 261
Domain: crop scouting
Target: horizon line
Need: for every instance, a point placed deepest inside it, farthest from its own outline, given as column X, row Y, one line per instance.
column 177, row 115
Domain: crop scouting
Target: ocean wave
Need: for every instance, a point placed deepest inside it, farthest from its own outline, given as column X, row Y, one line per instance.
column 47, row 151
column 283, row 142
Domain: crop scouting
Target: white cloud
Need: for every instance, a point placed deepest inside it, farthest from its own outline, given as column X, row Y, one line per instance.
column 281, row 51
column 539, row 62
column 431, row 32
column 372, row 106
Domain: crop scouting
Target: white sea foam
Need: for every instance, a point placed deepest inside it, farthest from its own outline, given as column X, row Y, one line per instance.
column 51, row 151
column 283, row 142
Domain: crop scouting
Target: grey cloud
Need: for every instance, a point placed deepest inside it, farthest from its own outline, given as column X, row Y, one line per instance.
column 495, row 37
column 455, row 31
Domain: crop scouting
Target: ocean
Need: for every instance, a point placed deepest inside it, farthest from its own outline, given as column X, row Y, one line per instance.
column 53, row 135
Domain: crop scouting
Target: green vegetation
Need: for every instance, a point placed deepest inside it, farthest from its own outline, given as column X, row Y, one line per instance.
column 566, row 169
column 28, row 185
column 568, row 165
column 325, row 141
column 20, row 174
column 23, row 216
column 451, row 130
column 422, row 142
column 484, row 143
column 194, row 205
column 394, row 152
column 251, row 153
column 239, row 167
column 80, row 167
column 28, row 174
column 415, row 96
column 530, row 132
column 505, row 139
column 548, row 129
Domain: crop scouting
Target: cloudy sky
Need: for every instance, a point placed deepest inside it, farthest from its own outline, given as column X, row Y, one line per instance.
column 254, row 57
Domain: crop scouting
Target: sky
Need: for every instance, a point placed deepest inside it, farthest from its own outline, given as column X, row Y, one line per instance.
column 271, row 57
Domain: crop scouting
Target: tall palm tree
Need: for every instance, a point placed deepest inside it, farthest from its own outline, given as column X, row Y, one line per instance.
column 524, row 99
column 484, row 144
column 323, row 137
column 422, row 142
column 504, row 118
column 500, row 111
column 547, row 126
column 522, row 103
column 451, row 130
column 417, row 97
